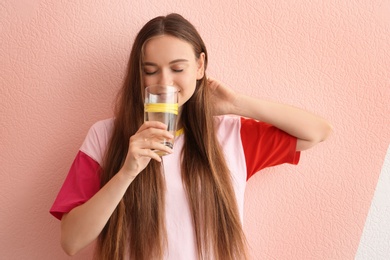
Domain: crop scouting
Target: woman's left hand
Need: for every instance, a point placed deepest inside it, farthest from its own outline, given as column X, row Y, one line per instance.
column 222, row 97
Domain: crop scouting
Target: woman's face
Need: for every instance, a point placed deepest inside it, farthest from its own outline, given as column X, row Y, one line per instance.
column 172, row 61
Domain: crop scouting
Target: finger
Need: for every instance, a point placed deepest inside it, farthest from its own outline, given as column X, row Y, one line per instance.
column 151, row 154
column 212, row 83
column 157, row 145
column 155, row 134
column 151, row 139
column 140, row 150
column 210, row 80
column 152, row 124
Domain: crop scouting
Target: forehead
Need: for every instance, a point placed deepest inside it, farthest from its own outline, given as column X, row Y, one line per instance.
column 167, row 48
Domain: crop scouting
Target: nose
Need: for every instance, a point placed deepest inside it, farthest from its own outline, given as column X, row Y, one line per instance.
column 166, row 78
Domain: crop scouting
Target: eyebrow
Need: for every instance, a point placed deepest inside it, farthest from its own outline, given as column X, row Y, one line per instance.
column 172, row 62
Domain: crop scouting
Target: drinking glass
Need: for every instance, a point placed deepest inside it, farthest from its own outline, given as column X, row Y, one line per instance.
column 161, row 104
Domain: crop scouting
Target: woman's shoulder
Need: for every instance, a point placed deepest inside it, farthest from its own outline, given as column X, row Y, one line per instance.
column 101, row 130
column 227, row 125
column 96, row 141
column 227, row 119
column 103, row 125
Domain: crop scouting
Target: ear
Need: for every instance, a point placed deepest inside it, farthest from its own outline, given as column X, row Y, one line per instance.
column 200, row 69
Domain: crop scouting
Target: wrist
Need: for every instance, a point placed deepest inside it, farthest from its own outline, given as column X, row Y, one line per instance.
column 126, row 176
column 239, row 105
column 251, row 107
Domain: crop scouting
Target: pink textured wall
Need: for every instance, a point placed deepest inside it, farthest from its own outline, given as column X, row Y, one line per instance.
column 61, row 63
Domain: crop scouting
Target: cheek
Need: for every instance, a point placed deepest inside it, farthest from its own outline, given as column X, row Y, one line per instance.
column 186, row 93
column 147, row 81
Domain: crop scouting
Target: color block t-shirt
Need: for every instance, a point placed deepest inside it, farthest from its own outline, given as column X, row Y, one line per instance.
column 248, row 146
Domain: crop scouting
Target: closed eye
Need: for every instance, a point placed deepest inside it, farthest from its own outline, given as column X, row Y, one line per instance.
column 150, row 72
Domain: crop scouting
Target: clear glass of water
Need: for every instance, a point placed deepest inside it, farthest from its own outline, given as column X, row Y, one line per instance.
column 161, row 104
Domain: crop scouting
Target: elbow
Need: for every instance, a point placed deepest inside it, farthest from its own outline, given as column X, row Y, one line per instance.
column 326, row 131
column 323, row 133
column 73, row 240
column 68, row 248
column 70, row 253
column 320, row 135
column 72, row 244
column 68, row 242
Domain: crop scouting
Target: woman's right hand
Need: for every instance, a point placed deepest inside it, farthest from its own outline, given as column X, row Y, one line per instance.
column 84, row 223
column 147, row 138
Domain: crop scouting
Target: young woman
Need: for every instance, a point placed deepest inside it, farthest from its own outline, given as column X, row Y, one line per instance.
column 189, row 204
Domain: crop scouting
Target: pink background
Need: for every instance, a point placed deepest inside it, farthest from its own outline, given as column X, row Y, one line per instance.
column 62, row 62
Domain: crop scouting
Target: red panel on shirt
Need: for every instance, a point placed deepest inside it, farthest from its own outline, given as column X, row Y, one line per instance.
column 80, row 185
column 265, row 145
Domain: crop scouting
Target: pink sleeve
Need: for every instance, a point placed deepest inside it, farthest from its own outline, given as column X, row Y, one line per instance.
column 80, row 185
column 265, row 145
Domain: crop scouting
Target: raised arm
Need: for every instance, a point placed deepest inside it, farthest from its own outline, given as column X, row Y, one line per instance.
column 309, row 129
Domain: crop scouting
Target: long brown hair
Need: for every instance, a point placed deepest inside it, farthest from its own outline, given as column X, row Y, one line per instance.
column 137, row 226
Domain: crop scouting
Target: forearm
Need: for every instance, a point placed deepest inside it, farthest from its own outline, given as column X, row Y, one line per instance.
column 84, row 223
column 296, row 122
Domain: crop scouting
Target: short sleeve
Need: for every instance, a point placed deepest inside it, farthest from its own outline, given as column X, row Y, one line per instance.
column 83, row 180
column 79, row 186
column 265, row 146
